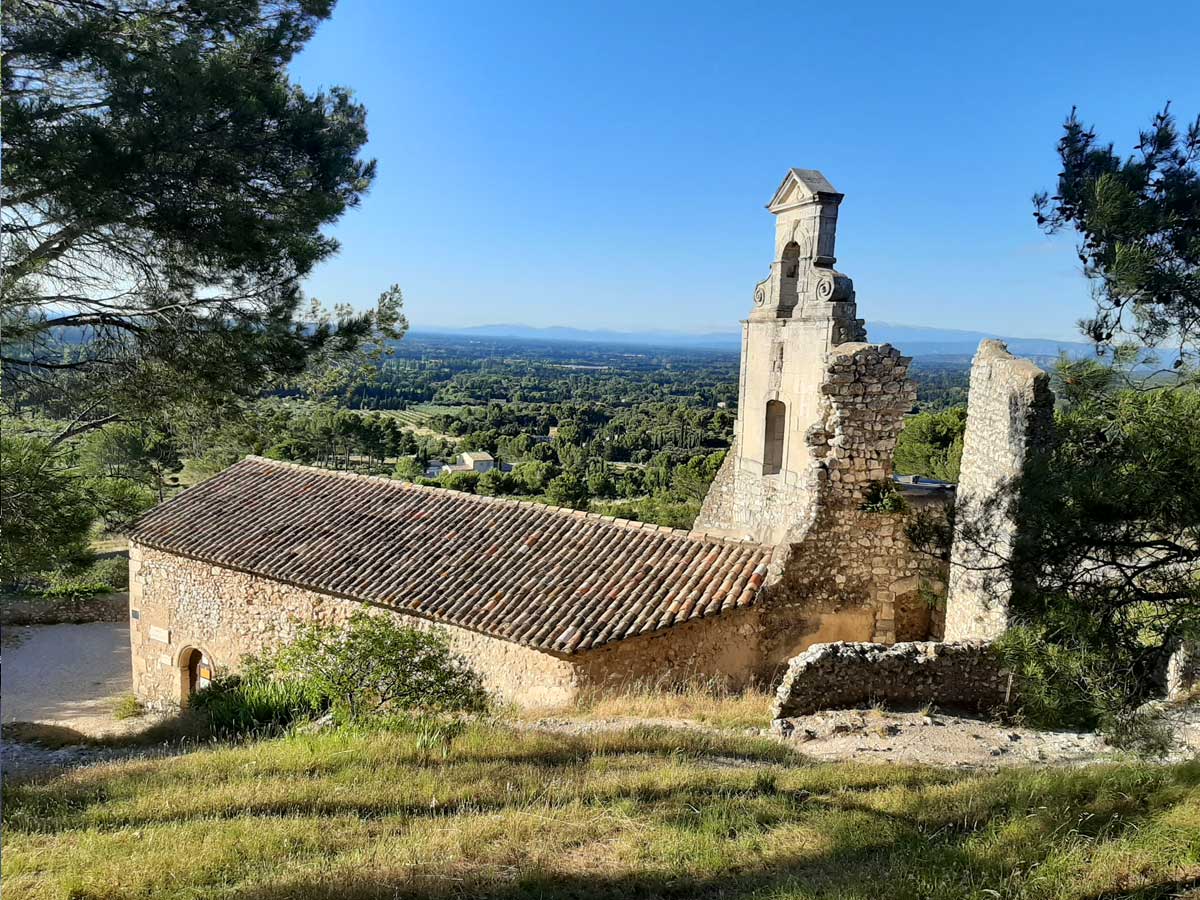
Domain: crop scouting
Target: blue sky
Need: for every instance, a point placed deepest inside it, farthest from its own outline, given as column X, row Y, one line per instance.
column 605, row 165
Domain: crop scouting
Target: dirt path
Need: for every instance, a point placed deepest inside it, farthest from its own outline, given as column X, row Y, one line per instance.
column 68, row 675
column 870, row 735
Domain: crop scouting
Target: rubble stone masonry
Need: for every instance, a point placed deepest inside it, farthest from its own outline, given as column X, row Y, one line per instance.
column 965, row 676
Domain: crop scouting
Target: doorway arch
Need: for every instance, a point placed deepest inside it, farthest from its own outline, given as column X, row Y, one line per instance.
column 195, row 672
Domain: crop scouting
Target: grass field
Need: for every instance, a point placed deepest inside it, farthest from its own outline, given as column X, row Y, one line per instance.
column 417, row 418
column 645, row 813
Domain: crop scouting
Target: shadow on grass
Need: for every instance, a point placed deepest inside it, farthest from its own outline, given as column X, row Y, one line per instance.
column 834, row 876
column 176, row 729
column 910, row 865
column 927, row 833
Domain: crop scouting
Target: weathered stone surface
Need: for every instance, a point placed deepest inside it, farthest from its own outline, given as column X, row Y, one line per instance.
column 1009, row 416
column 1183, row 670
column 966, row 676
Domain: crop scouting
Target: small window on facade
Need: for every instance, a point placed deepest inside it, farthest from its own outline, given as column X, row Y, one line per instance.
column 773, row 438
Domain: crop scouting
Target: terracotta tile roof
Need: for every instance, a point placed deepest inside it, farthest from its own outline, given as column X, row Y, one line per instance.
column 545, row 577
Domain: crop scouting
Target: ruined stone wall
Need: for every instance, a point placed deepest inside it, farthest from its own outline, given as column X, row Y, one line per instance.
column 967, row 676
column 178, row 604
column 865, row 395
column 844, row 573
column 1009, row 414
column 851, row 564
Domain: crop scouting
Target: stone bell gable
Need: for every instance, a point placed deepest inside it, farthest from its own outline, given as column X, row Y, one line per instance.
column 791, row 382
column 819, row 411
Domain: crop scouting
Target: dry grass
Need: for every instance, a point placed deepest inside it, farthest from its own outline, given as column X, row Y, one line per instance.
column 696, row 700
column 127, row 706
column 642, row 813
column 104, row 544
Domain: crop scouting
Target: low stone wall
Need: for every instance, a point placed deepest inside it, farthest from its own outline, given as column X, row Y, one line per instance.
column 965, row 676
column 19, row 610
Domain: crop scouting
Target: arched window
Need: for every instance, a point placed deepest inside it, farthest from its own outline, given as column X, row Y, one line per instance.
column 773, row 437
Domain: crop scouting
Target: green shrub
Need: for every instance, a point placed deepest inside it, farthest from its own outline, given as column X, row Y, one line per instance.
column 253, row 702
column 128, row 707
column 467, row 482
column 113, row 571
column 883, row 497
column 931, row 444
column 1081, row 686
column 374, row 666
column 1057, row 682
column 67, row 585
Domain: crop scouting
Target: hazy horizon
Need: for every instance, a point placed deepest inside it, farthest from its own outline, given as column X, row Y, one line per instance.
column 732, row 328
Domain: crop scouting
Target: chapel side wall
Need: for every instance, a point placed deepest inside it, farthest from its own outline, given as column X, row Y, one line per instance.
column 182, row 603
column 1010, row 411
column 724, row 650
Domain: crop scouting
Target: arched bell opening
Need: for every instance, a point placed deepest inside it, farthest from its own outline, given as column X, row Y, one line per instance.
column 789, row 275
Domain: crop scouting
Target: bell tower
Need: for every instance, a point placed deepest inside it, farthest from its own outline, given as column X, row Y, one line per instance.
column 801, row 311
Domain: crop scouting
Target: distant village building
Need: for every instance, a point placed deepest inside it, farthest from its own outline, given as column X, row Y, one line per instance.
column 478, row 461
column 792, row 546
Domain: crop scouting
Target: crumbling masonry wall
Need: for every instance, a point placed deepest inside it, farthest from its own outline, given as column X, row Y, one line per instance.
column 1009, row 416
column 849, row 560
column 843, row 403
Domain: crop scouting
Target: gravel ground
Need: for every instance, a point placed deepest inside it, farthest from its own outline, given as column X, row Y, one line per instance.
column 71, row 675
column 871, row 735
column 20, row 760
column 68, row 675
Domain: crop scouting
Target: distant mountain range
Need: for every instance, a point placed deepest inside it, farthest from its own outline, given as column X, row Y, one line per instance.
column 914, row 340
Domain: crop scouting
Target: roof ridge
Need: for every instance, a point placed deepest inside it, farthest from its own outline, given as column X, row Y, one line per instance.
column 401, row 484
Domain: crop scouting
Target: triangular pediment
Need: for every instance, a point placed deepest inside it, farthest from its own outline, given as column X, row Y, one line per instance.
column 800, row 186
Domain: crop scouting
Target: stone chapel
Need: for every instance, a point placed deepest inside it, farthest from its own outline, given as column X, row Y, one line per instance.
column 793, row 546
